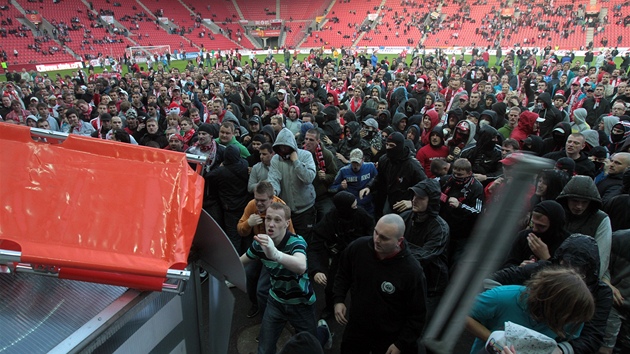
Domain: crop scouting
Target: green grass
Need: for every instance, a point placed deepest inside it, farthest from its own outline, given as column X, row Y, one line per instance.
column 181, row 64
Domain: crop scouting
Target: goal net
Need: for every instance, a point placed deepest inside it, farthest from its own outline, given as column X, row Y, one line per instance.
column 144, row 54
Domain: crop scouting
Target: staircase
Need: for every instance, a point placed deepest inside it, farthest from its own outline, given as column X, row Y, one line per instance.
column 360, row 36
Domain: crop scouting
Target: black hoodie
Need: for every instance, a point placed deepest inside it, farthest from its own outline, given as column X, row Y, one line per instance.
column 558, row 138
column 427, row 235
column 320, row 92
column 553, row 237
column 578, row 251
column 230, row 181
column 397, row 171
column 550, row 113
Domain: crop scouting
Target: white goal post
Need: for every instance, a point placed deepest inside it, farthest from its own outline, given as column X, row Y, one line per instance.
column 141, row 54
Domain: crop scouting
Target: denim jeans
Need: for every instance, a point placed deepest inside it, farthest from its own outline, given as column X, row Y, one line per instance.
column 301, row 317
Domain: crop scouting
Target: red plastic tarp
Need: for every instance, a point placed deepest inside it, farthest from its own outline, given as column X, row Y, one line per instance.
column 97, row 205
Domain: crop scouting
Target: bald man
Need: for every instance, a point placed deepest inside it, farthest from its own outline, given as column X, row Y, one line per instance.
column 610, row 185
column 388, row 290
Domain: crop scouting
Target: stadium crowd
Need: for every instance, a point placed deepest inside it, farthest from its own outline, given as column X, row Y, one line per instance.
column 308, row 158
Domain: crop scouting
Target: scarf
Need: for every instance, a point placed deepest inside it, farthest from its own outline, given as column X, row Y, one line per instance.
column 355, row 104
column 597, row 100
column 319, row 156
column 189, row 134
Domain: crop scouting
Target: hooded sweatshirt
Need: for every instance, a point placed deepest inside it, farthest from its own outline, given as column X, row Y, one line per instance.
column 579, row 121
column 435, row 120
column 550, row 113
column 525, row 127
column 397, row 171
column 617, row 142
column 553, row 237
column 428, row 152
column 592, row 222
column 580, row 252
column 558, row 138
column 294, row 125
column 398, row 117
column 230, row 181
column 292, row 180
column 427, row 235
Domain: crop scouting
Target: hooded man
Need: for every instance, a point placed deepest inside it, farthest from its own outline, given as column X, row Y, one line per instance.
column 430, row 120
column 463, row 136
column 581, row 253
column 427, row 235
column 320, row 92
column 397, row 171
column 484, row 155
column 549, row 114
column 579, row 121
column 544, row 236
column 352, row 140
column 291, row 174
column 344, row 223
column 399, row 122
column 582, row 205
column 525, row 127
column 434, row 150
column 331, row 126
column 229, row 181
column 619, row 135
column 558, row 138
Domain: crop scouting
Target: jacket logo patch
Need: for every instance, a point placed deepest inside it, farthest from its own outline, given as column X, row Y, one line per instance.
column 388, row 287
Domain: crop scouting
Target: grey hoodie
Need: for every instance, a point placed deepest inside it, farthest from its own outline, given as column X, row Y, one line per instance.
column 579, row 121
column 293, row 181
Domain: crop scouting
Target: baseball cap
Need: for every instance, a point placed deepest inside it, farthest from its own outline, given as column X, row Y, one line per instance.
column 371, row 122
column 282, row 91
column 418, row 190
column 356, row 155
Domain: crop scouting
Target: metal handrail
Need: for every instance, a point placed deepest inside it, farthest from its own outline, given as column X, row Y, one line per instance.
column 50, row 134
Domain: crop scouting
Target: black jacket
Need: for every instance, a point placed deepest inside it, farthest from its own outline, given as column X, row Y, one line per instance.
column 229, row 181
column 470, row 195
column 427, row 235
column 484, row 155
column 333, row 234
column 583, row 166
column 550, row 113
column 395, row 177
column 580, row 252
column 388, row 296
column 553, row 237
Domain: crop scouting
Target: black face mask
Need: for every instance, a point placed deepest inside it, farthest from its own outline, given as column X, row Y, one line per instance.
column 615, row 138
column 461, row 180
column 598, row 165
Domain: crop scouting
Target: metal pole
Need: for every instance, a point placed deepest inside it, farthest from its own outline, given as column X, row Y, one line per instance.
column 493, row 234
column 49, row 134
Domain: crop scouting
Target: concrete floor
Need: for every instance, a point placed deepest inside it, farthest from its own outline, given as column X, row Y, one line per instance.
column 245, row 330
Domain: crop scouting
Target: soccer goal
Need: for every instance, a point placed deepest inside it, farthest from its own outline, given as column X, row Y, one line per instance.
column 144, row 54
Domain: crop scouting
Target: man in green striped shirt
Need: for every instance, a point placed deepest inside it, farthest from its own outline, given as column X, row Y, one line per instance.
column 291, row 297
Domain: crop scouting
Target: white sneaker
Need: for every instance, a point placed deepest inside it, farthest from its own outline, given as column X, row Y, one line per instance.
column 324, row 325
column 229, row 285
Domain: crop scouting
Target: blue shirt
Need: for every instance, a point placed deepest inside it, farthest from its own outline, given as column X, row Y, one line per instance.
column 356, row 181
column 496, row 306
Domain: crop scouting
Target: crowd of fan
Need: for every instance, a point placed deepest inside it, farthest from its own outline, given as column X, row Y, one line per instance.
column 344, row 141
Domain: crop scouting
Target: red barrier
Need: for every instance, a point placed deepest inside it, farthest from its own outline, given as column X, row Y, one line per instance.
column 91, row 204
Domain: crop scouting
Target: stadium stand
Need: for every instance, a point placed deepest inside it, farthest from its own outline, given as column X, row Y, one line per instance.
column 31, row 48
column 404, row 23
column 77, row 30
